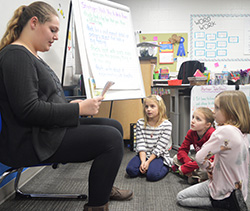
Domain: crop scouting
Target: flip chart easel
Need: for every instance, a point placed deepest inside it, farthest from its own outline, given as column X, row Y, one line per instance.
column 107, row 48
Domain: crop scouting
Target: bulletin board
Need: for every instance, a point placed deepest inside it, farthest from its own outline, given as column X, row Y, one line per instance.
column 220, row 37
column 107, row 48
column 164, row 37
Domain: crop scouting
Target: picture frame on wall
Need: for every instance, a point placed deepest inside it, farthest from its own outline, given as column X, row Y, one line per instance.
column 166, row 53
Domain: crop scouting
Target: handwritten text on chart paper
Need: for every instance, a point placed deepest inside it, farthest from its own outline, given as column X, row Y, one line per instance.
column 108, row 42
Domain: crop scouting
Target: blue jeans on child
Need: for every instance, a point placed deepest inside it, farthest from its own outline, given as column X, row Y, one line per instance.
column 156, row 170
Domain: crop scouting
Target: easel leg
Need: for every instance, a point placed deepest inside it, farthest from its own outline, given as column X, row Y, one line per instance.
column 110, row 111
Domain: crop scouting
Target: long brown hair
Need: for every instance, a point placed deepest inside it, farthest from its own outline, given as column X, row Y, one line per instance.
column 208, row 114
column 22, row 15
column 234, row 106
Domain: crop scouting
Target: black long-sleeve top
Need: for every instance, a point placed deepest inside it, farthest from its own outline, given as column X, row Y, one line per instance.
column 35, row 113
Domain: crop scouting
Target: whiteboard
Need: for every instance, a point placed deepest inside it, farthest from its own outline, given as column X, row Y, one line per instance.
column 220, row 37
column 107, row 48
column 203, row 96
column 54, row 57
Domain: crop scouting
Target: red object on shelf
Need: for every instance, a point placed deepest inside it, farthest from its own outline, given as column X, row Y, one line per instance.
column 174, row 82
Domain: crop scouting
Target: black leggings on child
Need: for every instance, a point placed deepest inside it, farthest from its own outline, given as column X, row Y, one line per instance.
column 235, row 202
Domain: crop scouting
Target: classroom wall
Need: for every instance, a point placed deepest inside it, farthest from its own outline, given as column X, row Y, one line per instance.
column 56, row 54
column 167, row 16
column 158, row 16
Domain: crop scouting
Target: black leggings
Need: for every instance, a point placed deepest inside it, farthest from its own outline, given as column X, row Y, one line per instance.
column 230, row 203
column 97, row 139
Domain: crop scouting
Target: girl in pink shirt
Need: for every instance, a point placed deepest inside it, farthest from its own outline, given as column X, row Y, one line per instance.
column 227, row 186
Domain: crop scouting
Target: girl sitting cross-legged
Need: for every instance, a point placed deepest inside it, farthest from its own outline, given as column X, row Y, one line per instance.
column 153, row 134
column 200, row 131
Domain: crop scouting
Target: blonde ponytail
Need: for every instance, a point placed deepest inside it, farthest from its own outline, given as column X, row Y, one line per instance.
column 13, row 29
column 22, row 15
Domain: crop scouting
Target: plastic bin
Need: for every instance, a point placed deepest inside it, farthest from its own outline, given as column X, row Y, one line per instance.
column 175, row 82
column 197, row 80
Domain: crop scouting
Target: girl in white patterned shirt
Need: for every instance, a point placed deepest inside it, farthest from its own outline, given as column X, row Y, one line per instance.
column 227, row 186
column 153, row 140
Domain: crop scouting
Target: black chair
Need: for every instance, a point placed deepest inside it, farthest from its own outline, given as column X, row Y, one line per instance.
column 188, row 68
column 21, row 194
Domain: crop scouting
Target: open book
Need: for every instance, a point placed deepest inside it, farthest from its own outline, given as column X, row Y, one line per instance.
column 98, row 92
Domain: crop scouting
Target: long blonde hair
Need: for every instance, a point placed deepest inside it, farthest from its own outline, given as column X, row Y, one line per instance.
column 22, row 15
column 161, row 109
column 234, row 106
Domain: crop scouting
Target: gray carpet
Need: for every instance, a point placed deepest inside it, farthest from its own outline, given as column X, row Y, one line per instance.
column 72, row 178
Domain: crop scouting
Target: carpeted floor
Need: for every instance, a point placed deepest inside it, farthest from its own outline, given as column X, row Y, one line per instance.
column 72, row 178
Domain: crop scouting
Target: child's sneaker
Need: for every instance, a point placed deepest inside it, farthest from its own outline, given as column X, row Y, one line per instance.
column 175, row 169
column 192, row 180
